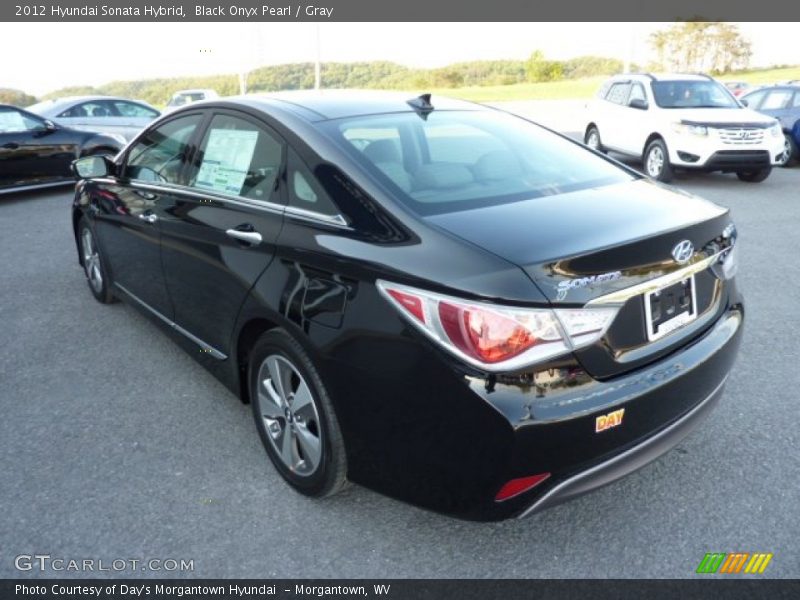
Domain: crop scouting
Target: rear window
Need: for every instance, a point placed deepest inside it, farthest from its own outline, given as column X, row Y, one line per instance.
column 454, row 160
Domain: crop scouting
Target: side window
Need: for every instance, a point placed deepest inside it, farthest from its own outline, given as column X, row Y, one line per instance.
column 637, row 93
column 159, row 156
column 796, row 102
column 14, row 121
column 129, row 109
column 754, row 100
column 305, row 192
column 239, row 158
column 618, row 94
column 99, row 108
column 777, row 100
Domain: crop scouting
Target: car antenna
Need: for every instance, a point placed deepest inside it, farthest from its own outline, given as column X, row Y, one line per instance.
column 422, row 105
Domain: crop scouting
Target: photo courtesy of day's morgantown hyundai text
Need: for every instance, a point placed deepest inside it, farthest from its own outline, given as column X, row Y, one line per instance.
column 434, row 299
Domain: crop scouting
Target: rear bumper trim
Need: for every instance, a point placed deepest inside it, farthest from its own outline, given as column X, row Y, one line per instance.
column 629, row 461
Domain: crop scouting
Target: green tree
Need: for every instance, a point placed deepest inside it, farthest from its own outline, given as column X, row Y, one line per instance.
column 16, row 97
column 705, row 46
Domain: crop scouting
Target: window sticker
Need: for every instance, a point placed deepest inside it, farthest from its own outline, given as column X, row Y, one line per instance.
column 226, row 160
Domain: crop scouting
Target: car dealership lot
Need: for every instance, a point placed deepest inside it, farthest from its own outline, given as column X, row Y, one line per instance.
column 118, row 445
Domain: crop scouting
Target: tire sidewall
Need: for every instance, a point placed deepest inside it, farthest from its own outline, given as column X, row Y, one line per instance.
column 279, row 342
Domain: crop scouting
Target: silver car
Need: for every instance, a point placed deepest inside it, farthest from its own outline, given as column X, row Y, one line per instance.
column 100, row 114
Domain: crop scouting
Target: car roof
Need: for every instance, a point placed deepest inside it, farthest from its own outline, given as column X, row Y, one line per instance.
column 661, row 77
column 320, row 105
column 55, row 104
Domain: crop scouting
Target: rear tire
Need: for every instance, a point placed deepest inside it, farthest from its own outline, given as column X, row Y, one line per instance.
column 295, row 417
column 754, row 176
column 656, row 161
column 94, row 266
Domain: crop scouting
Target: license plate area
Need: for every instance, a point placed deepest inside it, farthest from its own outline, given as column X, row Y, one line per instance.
column 670, row 308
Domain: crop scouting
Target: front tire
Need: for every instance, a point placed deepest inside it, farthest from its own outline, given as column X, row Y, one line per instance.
column 592, row 139
column 656, row 161
column 295, row 417
column 789, row 151
column 754, row 176
column 93, row 264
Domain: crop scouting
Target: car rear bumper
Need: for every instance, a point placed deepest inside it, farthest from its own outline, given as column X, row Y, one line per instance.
column 629, row 461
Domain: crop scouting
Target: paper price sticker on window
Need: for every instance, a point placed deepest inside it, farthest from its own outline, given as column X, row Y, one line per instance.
column 227, row 159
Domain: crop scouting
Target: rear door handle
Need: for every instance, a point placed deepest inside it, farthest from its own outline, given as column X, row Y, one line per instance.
column 149, row 217
column 248, row 237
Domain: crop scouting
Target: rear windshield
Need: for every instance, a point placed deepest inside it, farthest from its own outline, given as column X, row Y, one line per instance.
column 458, row 160
column 692, row 94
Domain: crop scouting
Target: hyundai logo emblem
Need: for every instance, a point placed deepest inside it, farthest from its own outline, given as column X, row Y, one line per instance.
column 683, row 251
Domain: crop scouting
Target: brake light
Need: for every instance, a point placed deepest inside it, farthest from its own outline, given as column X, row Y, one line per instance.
column 495, row 337
column 515, row 487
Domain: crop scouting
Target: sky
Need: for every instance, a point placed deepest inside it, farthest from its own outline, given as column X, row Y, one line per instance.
column 124, row 51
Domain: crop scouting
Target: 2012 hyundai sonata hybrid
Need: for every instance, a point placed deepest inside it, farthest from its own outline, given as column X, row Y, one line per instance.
column 434, row 299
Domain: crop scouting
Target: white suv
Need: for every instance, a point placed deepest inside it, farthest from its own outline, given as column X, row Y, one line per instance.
column 682, row 121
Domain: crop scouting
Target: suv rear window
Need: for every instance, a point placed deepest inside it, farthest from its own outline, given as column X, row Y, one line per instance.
column 458, row 160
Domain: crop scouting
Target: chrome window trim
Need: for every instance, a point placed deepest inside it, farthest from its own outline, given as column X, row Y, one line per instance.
column 292, row 211
column 203, row 346
column 622, row 296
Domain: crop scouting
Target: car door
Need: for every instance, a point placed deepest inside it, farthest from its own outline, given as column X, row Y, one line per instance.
column 128, row 224
column 31, row 151
column 219, row 233
column 614, row 112
column 635, row 129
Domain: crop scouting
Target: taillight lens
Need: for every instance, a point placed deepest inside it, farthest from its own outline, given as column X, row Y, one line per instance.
column 497, row 337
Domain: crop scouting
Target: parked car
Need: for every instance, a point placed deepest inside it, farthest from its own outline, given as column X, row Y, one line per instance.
column 35, row 152
column 737, row 88
column 682, row 122
column 100, row 114
column 783, row 103
column 184, row 97
column 435, row 299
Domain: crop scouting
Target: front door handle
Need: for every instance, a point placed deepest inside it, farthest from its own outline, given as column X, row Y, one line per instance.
column 11, row 146
column 248, row 237
column 149, row 217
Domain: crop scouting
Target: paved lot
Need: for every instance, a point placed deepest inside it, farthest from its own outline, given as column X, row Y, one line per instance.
column 116, row 444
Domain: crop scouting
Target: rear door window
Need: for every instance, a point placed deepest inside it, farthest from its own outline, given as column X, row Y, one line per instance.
column 237, row 157
column 619, row 92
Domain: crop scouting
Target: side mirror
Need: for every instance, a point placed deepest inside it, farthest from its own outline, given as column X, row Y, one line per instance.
column 89, row 167
column 49, row 125
column 744, row 102
column 638, row 103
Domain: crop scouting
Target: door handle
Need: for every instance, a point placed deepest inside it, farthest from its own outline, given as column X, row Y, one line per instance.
column 11, row 146
column 251, row 238
column 149, row 217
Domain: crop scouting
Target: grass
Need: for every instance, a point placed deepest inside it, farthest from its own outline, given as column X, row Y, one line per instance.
column 585, row 88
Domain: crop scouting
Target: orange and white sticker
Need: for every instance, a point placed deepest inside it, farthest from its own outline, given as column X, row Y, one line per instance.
column 612, row 419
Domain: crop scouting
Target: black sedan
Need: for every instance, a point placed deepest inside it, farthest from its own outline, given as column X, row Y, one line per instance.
column 437, row 300
column 35, row 152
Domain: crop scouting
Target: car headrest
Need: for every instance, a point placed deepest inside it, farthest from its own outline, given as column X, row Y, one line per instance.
column 500, row 164
column 438, row 176
column 383, row 151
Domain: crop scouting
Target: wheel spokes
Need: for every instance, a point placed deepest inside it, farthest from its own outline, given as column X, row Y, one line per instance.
column 310, row 444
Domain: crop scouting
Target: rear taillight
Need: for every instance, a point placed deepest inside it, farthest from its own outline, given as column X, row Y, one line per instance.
column 496, row 337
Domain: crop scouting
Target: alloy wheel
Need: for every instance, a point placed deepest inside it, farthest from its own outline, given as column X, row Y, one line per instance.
column 288, row 408
column 785, row 156
column 593, row 140
column 91, row 261
column 655, row 161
